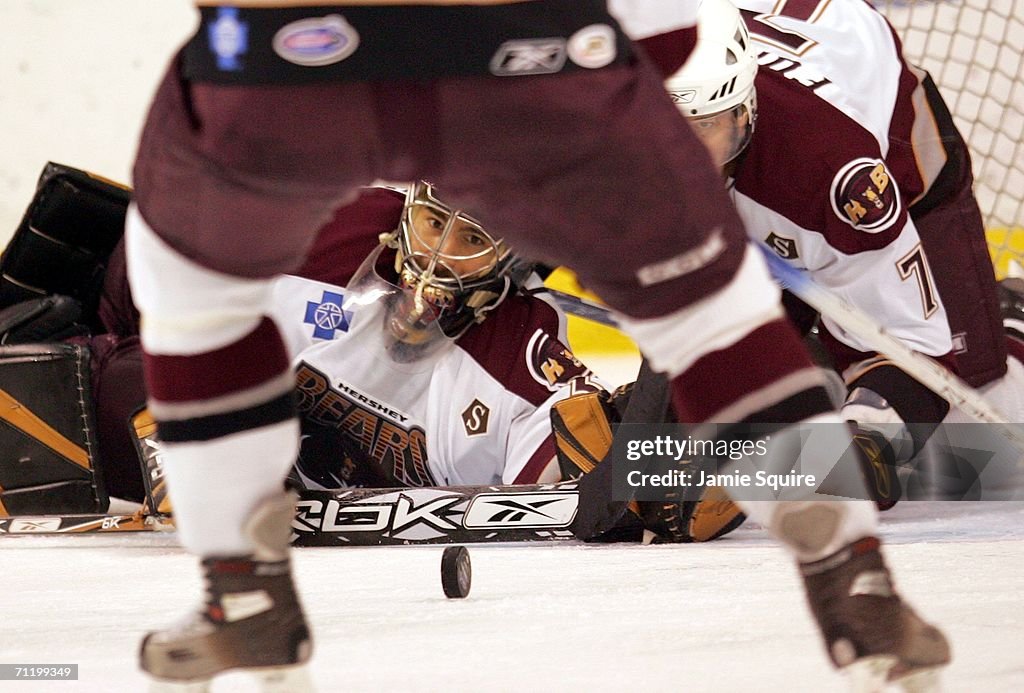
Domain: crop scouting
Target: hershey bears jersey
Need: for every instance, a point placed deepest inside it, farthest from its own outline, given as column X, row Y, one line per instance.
column 844, row 143
column 475, row 412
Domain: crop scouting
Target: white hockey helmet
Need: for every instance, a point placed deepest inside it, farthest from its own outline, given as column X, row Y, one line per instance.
column 718, row 77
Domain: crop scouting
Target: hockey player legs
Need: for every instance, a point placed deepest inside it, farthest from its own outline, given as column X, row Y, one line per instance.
column 236, row 179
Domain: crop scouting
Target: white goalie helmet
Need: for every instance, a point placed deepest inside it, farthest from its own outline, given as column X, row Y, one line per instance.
column 714, row 89
column 455, row 269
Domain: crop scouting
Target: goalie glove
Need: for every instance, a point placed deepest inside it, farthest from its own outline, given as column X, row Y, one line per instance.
column 1011, row 305
column 64, row 240
column 583, row 427
column 48, row 319
column 711, row 516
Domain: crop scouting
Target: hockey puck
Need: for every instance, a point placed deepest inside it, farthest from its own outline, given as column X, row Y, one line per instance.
column 456, row 572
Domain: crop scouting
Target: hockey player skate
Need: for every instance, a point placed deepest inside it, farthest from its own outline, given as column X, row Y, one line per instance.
column 870, row 633
column 252, row 619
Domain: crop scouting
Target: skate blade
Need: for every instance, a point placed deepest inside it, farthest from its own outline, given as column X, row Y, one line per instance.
column 921, row 681
column 289, row 679
column 870, row 674
column 293, row 679
column 160, row 686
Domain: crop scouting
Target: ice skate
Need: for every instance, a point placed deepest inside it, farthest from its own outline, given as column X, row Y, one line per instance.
column 870, row 633
column 251, row 621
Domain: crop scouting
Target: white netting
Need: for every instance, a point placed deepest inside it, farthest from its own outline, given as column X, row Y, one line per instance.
column 973, row 50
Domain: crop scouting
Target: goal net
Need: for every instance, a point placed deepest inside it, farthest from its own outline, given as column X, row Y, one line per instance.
column 973, row 50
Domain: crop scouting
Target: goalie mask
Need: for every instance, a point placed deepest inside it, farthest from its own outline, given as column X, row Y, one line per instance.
column 715, row 87
column 453, row 268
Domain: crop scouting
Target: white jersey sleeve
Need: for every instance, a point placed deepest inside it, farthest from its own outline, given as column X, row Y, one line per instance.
column 642, row 19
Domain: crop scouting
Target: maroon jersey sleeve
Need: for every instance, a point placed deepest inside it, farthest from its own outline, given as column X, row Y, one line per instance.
column 518, row 345
column 351, row 234
column 670, row 50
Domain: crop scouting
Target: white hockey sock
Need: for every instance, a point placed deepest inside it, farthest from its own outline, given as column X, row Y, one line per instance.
column 810, row 526
column 215, row 485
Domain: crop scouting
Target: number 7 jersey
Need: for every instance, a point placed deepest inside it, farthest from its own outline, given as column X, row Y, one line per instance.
column 846, row 147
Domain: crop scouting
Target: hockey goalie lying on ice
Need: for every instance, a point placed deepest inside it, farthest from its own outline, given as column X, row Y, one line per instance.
column 426, row 355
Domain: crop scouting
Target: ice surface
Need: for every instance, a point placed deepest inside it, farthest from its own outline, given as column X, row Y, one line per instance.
column 726, row 616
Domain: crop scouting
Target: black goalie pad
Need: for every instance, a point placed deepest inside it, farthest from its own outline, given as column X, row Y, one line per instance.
column 64, row 239
column 47, row 432
column 51, row 318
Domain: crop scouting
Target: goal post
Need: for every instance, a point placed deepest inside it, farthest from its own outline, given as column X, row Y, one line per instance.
column 973, row 50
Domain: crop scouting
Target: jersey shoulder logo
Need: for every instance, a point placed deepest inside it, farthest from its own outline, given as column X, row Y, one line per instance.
column 592, row 46
column 229, row 39
column 529, row 57
column 864, row 195
column 550, row 363
column 316, row 41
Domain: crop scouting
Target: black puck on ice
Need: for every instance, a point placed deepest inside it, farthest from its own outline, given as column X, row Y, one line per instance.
column 456, row 572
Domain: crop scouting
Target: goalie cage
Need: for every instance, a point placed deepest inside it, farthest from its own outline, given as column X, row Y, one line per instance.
column 973, row 50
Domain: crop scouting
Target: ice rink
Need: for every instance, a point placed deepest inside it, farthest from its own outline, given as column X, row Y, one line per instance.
column 726, row 616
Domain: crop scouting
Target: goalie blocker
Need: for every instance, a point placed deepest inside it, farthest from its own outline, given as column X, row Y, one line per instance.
column 47, row 432
column 65, row 239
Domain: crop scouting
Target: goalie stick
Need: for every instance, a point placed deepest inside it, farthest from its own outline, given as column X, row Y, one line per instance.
column 926, row 371
column 82, row 523
column 377, row 517
column 435, row 515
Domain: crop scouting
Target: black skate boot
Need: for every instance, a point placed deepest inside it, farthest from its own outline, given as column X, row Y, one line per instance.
column 870, row 633
column 252, row 619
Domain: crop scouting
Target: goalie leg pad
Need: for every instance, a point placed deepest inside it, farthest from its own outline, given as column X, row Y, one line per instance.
column 47, row 429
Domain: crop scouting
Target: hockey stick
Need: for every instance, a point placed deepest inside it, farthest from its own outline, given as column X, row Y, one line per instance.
column 91, row 523
column 376, row 516
column 926, row 371
column 580, row 307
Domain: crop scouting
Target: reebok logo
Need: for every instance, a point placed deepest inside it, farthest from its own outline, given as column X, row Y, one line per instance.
column 529, row 57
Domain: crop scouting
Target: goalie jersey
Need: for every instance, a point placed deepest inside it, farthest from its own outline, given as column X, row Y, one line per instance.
column 476, row 411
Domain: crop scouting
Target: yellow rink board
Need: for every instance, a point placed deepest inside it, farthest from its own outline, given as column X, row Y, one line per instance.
column 1006, row 246
column 587, row 337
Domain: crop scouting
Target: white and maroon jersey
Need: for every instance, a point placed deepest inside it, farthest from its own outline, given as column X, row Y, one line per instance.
column 844, row 143
column 475, row 412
